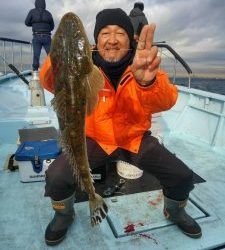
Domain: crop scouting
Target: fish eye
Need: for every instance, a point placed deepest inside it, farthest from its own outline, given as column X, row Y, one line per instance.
column 81, row 44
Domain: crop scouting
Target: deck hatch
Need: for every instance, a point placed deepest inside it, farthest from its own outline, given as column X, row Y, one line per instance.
column 142, row 212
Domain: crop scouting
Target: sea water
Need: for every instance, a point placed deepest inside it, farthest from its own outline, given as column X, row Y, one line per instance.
column 207, row 84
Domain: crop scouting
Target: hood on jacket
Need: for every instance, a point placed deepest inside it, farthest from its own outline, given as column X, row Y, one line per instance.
column 136, row 12
column 139, row 5
column 40, row 4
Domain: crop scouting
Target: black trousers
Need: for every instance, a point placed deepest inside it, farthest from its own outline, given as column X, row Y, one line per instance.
column 175, row 177
column 39, row 41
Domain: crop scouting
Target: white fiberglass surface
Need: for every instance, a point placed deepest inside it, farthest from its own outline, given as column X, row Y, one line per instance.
column 13, row 99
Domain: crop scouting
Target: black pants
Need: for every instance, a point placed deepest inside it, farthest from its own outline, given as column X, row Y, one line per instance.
column 175, row 177
column 39, row 41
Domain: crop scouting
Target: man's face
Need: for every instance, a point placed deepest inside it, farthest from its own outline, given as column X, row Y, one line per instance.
column 113, row 43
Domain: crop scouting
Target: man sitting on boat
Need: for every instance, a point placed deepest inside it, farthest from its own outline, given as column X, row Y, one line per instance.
column 118, row 128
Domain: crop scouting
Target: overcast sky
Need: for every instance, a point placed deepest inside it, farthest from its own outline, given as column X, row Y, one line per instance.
column 194, row 28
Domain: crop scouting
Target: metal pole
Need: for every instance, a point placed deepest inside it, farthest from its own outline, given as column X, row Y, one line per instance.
column 189, row 81
column 31, row 57
column 174, row 70
column 4, row 56
column 21, row 62
column 12, row 51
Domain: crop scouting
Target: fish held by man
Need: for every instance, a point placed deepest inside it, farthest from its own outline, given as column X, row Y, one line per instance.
column 77, row 82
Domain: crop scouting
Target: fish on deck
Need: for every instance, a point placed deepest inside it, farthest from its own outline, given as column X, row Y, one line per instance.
column 77, row 82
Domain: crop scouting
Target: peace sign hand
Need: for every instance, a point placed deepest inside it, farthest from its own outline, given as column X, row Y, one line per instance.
column 146, row 62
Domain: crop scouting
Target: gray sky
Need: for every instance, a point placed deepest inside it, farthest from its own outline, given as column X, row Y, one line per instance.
column 194, row 28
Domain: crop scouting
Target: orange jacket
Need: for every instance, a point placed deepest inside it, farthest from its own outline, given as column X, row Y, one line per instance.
column 121, row 117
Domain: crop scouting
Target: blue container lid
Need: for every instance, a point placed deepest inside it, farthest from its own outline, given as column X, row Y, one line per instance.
column 27, row 150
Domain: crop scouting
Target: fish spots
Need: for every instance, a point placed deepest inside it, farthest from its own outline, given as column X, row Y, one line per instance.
column 81, row 44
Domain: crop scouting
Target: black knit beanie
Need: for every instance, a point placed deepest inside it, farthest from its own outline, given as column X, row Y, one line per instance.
column 113, row 17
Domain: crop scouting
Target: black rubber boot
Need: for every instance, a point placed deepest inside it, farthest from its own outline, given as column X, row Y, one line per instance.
column 175, row 212
column 63, row 218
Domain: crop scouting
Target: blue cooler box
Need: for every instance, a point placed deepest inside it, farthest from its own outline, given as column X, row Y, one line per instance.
column 34, row 158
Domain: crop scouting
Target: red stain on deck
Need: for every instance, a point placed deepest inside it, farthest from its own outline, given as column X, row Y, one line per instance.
column 153, row 203
column 149, row 236
column 157, row 200
column 129, row 228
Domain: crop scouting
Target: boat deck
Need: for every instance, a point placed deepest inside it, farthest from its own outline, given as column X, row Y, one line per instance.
column 134, row 221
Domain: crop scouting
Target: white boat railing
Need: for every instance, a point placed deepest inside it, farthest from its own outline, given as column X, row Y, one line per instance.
column 15, row 52
column 19, row 54
column 175, row 57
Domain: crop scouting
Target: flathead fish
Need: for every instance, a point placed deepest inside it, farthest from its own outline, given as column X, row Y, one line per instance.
column 77, row 82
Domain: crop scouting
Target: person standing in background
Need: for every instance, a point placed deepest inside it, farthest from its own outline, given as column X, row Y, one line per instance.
column 42, row 24
column 138, row 19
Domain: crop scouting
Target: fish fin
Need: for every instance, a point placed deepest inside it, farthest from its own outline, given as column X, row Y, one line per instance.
column 65, row 142
column 58, row 102
column 95, row 81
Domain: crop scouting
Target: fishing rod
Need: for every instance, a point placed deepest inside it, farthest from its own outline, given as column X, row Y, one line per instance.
column 14, row 69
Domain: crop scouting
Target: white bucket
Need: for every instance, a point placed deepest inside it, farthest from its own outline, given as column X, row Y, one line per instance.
column 128, row 171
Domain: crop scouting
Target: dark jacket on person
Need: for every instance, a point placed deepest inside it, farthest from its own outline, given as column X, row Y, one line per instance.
column 40, row 19
column 138, row 20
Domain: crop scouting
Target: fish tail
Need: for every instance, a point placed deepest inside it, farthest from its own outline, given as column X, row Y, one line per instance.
column 98, row 209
